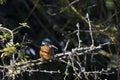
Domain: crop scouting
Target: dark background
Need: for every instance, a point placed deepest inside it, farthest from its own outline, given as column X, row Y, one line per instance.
column 56, row 20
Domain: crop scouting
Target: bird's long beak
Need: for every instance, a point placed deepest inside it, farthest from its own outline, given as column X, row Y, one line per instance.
column 53, row 47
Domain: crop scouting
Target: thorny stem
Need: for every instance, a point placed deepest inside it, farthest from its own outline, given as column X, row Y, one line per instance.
column 90, row 29
column 78, row 34
column 70, row 62
column 66, row 45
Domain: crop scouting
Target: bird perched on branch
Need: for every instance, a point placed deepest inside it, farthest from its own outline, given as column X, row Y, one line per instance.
column 46, row 50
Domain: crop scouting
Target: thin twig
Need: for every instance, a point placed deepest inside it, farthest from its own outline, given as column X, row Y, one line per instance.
column 90, row 29
column 78, row 35
column 65, row 8
column 66, row 46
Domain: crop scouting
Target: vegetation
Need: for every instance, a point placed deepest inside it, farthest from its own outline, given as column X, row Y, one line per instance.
column 86, row 33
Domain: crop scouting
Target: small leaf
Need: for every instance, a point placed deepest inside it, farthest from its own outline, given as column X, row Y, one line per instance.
column 24, row 24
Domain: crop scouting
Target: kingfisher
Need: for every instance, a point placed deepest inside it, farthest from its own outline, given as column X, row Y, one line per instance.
column 46, row 50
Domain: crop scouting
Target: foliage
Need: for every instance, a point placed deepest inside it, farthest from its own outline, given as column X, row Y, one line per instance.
column 12, row 49
column 90, row 54
column 8, row 47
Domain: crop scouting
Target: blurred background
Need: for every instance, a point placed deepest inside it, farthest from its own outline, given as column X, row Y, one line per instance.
column 56, row 20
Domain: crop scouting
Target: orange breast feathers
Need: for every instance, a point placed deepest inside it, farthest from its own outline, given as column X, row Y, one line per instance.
column 46, row 52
